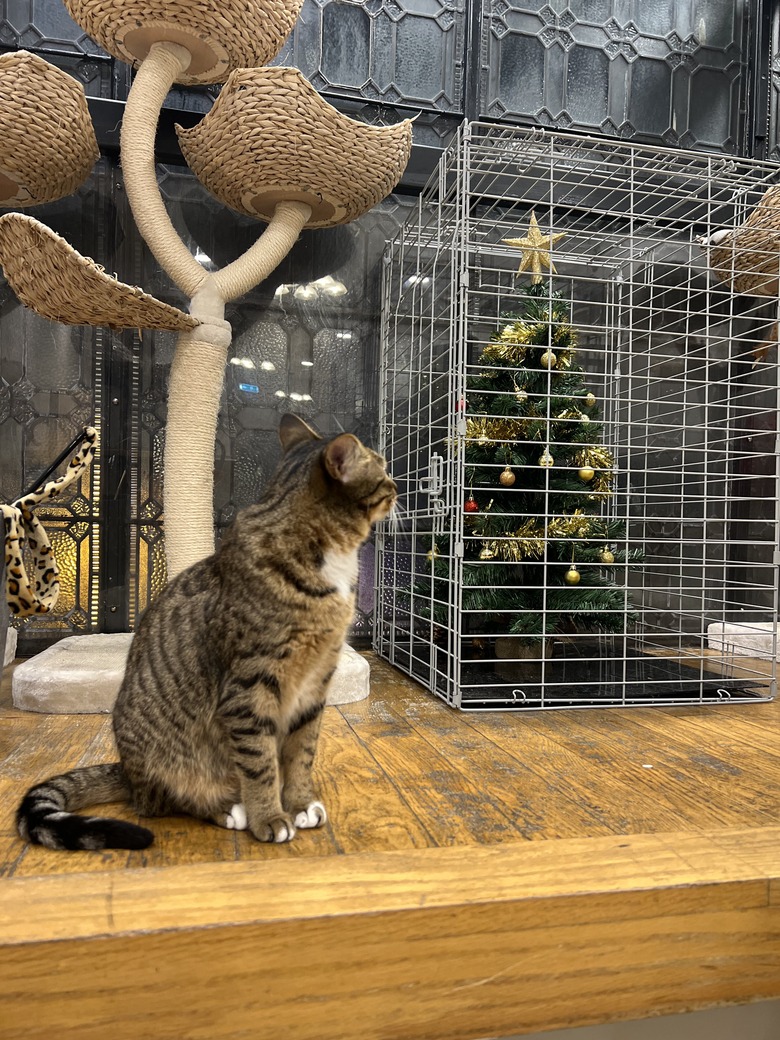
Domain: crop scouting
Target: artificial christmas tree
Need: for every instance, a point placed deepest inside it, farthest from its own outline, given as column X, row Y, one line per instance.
column 540, row 559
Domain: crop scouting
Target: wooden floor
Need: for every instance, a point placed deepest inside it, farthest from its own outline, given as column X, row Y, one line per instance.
column 480, row 875
column 402, row 770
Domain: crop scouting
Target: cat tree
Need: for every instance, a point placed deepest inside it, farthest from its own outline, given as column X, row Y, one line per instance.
column 270, row 147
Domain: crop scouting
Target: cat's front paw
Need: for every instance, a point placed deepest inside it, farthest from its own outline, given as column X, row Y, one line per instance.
column 277, row 829
column 236, row 818
column 313, row 815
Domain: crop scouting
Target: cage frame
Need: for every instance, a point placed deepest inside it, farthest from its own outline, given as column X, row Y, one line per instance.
column 442, row 243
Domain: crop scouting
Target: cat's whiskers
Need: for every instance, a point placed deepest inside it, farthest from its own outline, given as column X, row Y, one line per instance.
column 398, row 517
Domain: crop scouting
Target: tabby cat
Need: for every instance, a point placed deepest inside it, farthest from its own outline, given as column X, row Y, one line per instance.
column 219, row 711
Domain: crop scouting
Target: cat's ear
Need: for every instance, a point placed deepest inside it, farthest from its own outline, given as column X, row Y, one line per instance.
column 341, row 457
column 293, row 430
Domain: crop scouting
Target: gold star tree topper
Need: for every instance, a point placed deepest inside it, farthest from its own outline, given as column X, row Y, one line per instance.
column 536, row 249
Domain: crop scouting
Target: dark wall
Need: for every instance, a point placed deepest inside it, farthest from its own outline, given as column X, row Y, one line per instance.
column 668, row 72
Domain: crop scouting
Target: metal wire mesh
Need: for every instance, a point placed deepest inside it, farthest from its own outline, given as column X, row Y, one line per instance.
column 684, row 371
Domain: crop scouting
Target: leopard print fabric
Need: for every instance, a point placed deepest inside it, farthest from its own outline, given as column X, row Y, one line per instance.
column 37, row 594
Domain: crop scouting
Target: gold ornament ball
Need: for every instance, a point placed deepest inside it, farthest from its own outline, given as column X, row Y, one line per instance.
column 521, row 396
column 586, row 473
column 607, row 556
column 590, row 400
column 584, row 419
column 572, row 576
column 546, row 460
column 548, row 359
column 483, row 442
column 432, row 554
column 507, row 477
column 486, row 554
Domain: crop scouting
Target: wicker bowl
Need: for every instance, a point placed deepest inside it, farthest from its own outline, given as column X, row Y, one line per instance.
column 270, row 137
column 219, row 34
column 47, row 143
column 749, row 257
column 55, row 281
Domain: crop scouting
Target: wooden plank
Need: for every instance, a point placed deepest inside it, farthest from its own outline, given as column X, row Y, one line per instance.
column 663, row 755
column 536, row 804
column 583, row 774
column 755, row 725
column 467, row 974
column 366, row 808
column 453, row 808
column 11, row 851
column 430, row 943
column 411, row 772
column 12, row 733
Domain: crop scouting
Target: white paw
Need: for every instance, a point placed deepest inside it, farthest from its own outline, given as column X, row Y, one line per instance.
column 313, row 815
column 284, row 833
column 236, row 818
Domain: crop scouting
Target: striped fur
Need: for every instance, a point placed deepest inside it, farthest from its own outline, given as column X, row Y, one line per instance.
column 220, row 708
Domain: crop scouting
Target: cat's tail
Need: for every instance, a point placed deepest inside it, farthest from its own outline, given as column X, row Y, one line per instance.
column 46, row 814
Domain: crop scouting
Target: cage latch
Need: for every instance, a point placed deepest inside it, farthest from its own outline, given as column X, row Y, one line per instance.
column 432, row 484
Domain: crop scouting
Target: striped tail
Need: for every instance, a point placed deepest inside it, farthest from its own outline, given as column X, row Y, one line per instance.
column 46, row 814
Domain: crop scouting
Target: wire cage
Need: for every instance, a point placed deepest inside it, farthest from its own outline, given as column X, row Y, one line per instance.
column 586, row 449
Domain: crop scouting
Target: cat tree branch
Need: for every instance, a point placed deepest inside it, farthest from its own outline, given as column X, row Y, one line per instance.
column 266, row 254
column 158, row 72
column 270, row 147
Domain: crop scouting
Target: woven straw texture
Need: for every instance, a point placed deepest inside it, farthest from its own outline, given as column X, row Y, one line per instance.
column 54, row 280
column 47, row 143
column 749, row 258
column 270, row 137
column 221, row 35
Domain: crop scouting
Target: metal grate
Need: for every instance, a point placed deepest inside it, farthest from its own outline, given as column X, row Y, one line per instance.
column 684, row 534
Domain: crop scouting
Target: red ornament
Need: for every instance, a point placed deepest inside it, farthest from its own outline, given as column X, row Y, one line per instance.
column 470, row 506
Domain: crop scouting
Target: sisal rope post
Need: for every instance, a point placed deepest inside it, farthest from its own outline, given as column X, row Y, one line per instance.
column 194, row 392
column 154, row 79
column 253, row 266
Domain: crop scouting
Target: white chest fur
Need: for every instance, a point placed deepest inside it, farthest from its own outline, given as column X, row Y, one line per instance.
column 341, row 570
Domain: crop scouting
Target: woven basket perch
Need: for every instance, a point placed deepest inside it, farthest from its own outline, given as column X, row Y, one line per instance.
column 270, row 137
column 749, row 257
column 47, row 143
column 54, row 280
column 219, row 34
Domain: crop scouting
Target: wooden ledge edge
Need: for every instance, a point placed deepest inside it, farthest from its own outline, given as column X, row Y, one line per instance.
column 114, row 903
column 429, row 944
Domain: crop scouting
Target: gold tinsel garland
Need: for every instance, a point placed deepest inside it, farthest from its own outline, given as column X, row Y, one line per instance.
column 526, row 543
column 484, row 430
column 602, row 461
column 529, row 540
column 576, row 525
column 574, row 414
column 511, row 346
